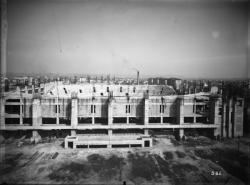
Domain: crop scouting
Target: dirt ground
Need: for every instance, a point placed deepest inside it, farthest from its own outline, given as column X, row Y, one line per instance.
column 195, row 161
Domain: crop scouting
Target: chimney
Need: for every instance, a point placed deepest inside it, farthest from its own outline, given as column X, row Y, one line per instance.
column 138, row 73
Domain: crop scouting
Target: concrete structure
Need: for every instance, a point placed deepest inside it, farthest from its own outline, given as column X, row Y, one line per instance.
column 118, row 115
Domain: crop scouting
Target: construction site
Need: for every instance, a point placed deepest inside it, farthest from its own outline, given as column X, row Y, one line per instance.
column 110, row 116
column 133, row 134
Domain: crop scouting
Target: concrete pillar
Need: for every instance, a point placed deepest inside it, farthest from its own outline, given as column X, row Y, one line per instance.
column 2, row 116
column 238, row 117
column 230, row 110
column 73, row 132
column 181, row 134
column 110, row 111
column 74, row 112
column 21, row 111
column 110, row 132
column 161, row 118
column 93, row 119
column 146, row 111
column 36, row 113
column 33, row 89
column 214, row 115
column 57, row 111
column 146, row 132
column 66, row 144
column 35, row 136
column 180, row 110
column 26, row 89
column 223, row 117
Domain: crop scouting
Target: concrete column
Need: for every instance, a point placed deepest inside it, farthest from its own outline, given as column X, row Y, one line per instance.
column 146, row 132
column 2, row 117
column 36, row 112
column 73, row 132
column 35, row 136
column 66, row 144
column 223, row 117
column 127, row 118
column 146, row 111
column 57, row 111
column 110, row 111
column 21, row 111
column 93, row 119
column 74, row 112
column 181, row 133
column 230, row 110
column 180, row 110
column 238, row 118
column 26, row 89
column 33, row 89
column 214, row 115
column 161, row 118
column 110, row 132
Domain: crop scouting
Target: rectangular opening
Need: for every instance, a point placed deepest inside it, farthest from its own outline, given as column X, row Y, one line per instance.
column 220, row 110
column 65, row 121
column 171, row 120
column 92, row 132
column 82, row 146
column 57, row 107
column 13, row 100
column 201, row 120
column 48, row 120
column 202, row 109
column 119, row 120
column 12, row 121
column 128, row 131
column 239, row 103
column 146, row 143
column 27, row 121
column 154, row 119
column 135, row 145
column 136, row 120
column 70, row 144
column 12, row 109
column 127, row 108
column 93, row 107
column 101, row 120
column 161, row 108
column 84, row 120
column 120, row 146
column 97, row 146
column 188, row 119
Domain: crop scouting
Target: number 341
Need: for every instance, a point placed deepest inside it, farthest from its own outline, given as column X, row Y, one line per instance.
column 216, row 173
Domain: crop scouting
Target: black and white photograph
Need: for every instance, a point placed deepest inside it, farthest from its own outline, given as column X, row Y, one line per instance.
column 125, row 92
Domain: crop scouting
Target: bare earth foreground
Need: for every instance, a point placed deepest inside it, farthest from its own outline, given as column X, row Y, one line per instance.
column 196, row 161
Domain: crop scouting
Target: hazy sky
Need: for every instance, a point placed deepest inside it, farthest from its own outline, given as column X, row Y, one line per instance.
column 160, row 38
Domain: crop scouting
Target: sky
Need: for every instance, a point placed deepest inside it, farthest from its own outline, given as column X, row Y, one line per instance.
column 186, row 39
